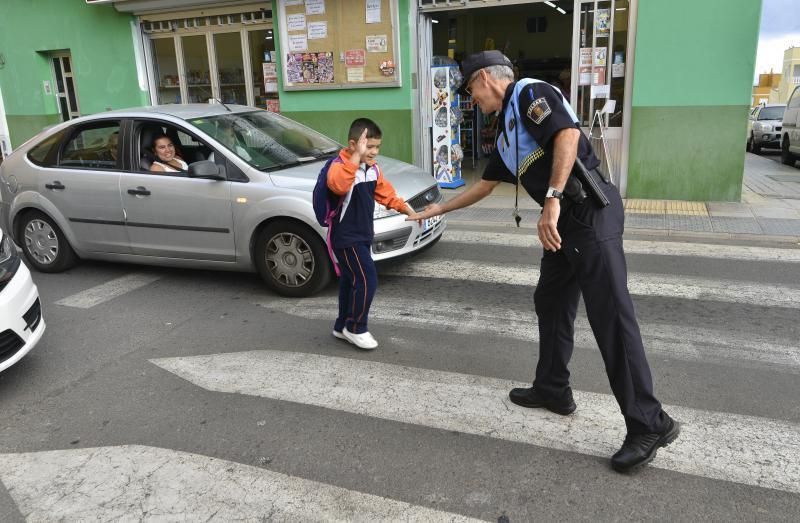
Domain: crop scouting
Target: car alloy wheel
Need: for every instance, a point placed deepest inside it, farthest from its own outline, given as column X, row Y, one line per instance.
column 292, row 258
column 44, row 244
column 289, row 259
column 41, row 241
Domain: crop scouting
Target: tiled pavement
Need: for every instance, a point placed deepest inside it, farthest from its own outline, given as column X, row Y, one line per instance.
column 769, row 210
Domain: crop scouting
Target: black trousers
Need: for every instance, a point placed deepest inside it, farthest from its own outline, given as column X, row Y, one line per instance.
column 591, row 262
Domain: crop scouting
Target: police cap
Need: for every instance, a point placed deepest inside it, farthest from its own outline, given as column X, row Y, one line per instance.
column 477, row 61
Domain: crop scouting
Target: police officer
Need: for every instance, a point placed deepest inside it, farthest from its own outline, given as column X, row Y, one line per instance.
column 538, row 141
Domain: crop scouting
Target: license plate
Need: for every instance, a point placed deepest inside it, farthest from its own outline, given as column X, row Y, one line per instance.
column 429, row 223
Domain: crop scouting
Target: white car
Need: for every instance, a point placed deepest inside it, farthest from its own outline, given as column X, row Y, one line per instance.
column 21, row 321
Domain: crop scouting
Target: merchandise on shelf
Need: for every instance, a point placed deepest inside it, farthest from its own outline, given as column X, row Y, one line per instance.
column 447, row 119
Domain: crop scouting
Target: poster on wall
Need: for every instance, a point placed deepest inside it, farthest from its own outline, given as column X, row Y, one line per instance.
column 315, row 7
column 600, row 54
column 376, row 43
column 355, row 58
column 310, row 68
column 602, row 22
column 585, row 57
column 296, row 22
column 373, row 11
column 585, row 75
column 599, row 77
column 317, row 30
column 355, row 74
column 298, row 43
column 270, row 72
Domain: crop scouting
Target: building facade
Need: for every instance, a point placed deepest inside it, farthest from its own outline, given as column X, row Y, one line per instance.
column 790, row 77
column 636, row 71
column 767, row 89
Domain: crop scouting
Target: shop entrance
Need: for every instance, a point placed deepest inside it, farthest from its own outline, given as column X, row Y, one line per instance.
column 579, row 46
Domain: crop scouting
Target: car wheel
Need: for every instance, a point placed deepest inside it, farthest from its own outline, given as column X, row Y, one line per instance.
column 754, row 147
column 292, row 259
column 787, row 158
column 44, row 243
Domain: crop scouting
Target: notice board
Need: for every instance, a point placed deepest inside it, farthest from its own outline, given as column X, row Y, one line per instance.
column 339, row 44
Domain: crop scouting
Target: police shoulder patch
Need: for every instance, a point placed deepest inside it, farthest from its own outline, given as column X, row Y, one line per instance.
column 539, row 110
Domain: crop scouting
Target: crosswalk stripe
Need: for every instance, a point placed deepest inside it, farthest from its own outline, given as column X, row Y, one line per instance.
column 108, row 291
column 683, row 342
column 134, row 483
column 724, row 446
column 659, row 248
column 729, row 291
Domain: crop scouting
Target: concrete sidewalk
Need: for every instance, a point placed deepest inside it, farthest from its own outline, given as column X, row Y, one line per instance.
column 769, row 210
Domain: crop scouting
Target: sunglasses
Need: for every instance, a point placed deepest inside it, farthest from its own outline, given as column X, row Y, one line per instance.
column 468, row 88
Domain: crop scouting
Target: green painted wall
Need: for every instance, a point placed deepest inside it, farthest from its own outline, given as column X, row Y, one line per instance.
column 331, row 111
column 691, row 93
column 100, row 41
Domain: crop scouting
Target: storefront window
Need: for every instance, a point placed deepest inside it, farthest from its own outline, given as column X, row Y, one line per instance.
column 262, row 63
column 232, row 88
column 166, row 68
column 195, row 59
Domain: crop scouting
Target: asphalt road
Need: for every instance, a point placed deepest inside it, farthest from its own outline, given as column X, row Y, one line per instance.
column 201, row 395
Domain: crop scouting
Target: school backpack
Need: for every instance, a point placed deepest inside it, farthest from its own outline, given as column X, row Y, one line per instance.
column 326, row 206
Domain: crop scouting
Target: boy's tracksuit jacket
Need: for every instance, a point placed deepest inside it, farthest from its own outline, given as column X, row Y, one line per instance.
column 360, row 187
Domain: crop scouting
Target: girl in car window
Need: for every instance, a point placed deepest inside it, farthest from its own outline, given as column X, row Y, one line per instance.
column 166, row 159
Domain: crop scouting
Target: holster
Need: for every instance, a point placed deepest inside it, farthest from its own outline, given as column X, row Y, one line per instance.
column 573, row 190
column 589, row 183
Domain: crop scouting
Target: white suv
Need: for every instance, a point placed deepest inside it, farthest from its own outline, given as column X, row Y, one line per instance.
column 21, row 321
column 790, row 134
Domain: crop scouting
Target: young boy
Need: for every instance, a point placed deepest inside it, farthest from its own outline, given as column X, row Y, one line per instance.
column 355, row 177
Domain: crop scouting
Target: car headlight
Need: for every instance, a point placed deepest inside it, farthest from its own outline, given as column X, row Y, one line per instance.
column 9, row 260
column 766, row 128
column 382, row 212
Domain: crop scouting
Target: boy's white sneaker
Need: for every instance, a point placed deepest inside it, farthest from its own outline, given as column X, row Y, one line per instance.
column 362, row 341
column 337, row 334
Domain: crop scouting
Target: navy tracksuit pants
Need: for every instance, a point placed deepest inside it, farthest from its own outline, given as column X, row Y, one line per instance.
column 357, row 285
column 591, row 262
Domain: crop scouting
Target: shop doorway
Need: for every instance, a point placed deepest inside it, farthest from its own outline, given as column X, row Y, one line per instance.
column 579, row 46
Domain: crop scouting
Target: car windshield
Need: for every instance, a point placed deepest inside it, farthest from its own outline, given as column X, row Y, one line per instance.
column 267, row 140
column 771, row 113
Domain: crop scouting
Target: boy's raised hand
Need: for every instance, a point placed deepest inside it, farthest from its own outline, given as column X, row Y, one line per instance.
column 361, row 144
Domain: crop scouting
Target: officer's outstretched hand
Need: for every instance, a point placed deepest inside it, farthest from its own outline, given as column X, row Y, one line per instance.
column 430, row 211
column 548, row 225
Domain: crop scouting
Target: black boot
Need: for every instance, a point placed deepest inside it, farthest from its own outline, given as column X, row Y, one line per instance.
column 530, row 398
column 640, row 449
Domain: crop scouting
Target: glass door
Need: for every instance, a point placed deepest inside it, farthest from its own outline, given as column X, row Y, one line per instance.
column 167, row 76
column 65, row 86
column 598, row 75
column 264, row 69
column 230, row 78
column 197, row 71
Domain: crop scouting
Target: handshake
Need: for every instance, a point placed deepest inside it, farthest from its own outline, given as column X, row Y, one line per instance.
column 430, row 211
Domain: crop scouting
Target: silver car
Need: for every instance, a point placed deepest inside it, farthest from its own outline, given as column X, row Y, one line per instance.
column 764, row 127
column 83, row 189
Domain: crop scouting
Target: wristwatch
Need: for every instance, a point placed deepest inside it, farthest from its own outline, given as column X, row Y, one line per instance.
column 552, row 193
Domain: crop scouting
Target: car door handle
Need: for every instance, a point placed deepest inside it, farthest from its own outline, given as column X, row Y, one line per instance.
column 55, row 186
column 139, row 191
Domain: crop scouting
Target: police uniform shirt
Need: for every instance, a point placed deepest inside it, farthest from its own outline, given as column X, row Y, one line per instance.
column 543, row 115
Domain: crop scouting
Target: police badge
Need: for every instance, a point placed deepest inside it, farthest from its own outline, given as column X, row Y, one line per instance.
column 539, row 110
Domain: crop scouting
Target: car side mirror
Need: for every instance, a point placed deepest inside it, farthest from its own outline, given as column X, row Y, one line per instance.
column 206, row 170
